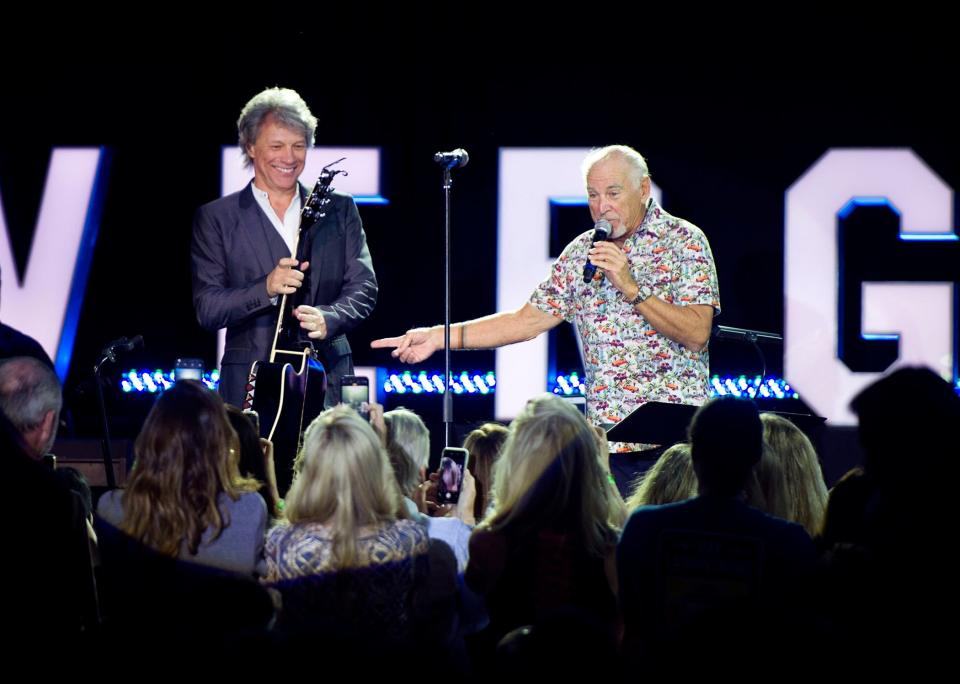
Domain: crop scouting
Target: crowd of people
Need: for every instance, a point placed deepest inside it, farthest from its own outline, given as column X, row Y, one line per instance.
column 731, row 543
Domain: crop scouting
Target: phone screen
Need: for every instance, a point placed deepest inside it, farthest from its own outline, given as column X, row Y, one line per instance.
column 452, row 464
column 355, row 392
column 187, row 374
column 188, row 369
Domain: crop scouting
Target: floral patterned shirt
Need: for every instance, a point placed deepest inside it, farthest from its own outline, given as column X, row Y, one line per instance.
column 627, row 362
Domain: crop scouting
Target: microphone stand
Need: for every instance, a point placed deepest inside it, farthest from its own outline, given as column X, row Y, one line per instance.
column 108, row 354
column 448, row 375
column 449, row 161
column 754, row 338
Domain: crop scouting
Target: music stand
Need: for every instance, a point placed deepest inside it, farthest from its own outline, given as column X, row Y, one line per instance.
column 655, row 422
column 658, row 422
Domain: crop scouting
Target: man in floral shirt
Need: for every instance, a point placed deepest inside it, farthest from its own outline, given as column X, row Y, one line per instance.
column 644, row 318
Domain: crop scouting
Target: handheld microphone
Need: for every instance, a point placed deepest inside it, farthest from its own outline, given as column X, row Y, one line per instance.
column 601, row 231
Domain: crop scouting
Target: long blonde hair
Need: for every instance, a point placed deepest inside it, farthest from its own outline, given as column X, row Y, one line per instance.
column 549, row 475
column 186, row 455
column 788, row 477
column 670, row 479
column 343, row 480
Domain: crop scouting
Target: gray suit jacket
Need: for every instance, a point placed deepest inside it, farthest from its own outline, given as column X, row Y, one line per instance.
column 234, row 248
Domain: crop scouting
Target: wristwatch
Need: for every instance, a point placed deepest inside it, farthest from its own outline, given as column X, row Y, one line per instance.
column 643, row 293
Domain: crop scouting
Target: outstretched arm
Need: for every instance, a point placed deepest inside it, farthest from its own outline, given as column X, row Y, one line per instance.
column 497, row 330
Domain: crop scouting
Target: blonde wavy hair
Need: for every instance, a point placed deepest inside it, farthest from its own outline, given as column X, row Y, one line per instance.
column 788, row 482
column 550, row 474
column 343, row 480
column 670, row 479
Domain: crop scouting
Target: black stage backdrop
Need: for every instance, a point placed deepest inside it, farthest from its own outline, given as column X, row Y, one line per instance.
column 728, row 122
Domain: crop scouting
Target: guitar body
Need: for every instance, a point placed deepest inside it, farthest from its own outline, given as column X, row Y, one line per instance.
column 287, row 396
column 288, row 389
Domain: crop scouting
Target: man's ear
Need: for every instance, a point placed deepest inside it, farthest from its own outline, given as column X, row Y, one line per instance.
column 39, row 437
column 48, row 427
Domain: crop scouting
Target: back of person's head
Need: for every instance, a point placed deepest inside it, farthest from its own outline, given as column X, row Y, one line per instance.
column 343, row 480
column 845, row 520
column 670, row 479
column 186, row 456
column 788, row 477
column 251, row 463
column 799, row 492
column 549, row 475
column 910, row 411
column 726, row 441
column 484, row 444
column 408, row 446
column 31, row 399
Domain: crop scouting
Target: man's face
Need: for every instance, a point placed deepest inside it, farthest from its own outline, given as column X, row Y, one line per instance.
column 613, row 196
column 278, row 157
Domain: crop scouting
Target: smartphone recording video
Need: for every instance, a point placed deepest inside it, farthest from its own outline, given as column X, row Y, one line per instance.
column 453, row 461
column 188, row 369
column 355, row 392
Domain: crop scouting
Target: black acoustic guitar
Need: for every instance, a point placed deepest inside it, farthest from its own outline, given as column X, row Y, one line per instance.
column 288, row 389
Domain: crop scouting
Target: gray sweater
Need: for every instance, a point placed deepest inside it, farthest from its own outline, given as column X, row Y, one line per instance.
column 239, row 548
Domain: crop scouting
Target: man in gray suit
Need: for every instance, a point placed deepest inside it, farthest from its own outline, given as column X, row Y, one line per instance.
column 244, row 246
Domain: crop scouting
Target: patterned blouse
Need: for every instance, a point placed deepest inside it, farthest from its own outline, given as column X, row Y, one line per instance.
column 628, row 362
column 306, row 549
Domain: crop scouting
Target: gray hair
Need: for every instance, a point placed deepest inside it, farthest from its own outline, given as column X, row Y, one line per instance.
column 408, row 446
column 287, row 108
column 28, row 390
column 638, row 164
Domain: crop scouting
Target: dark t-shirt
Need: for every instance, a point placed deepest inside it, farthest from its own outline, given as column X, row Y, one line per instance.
column 15, row 343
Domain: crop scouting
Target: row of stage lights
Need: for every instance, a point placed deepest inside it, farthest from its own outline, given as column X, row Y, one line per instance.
column 432, row 383
column 477, row 383
column 151, row 382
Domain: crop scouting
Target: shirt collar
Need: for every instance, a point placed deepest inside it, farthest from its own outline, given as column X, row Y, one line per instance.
column 652, row 223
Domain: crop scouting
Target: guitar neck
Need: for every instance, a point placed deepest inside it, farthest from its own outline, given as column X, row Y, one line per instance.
column 288, row 332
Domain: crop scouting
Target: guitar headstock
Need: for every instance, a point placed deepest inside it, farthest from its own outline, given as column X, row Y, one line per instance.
column 320, row 195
